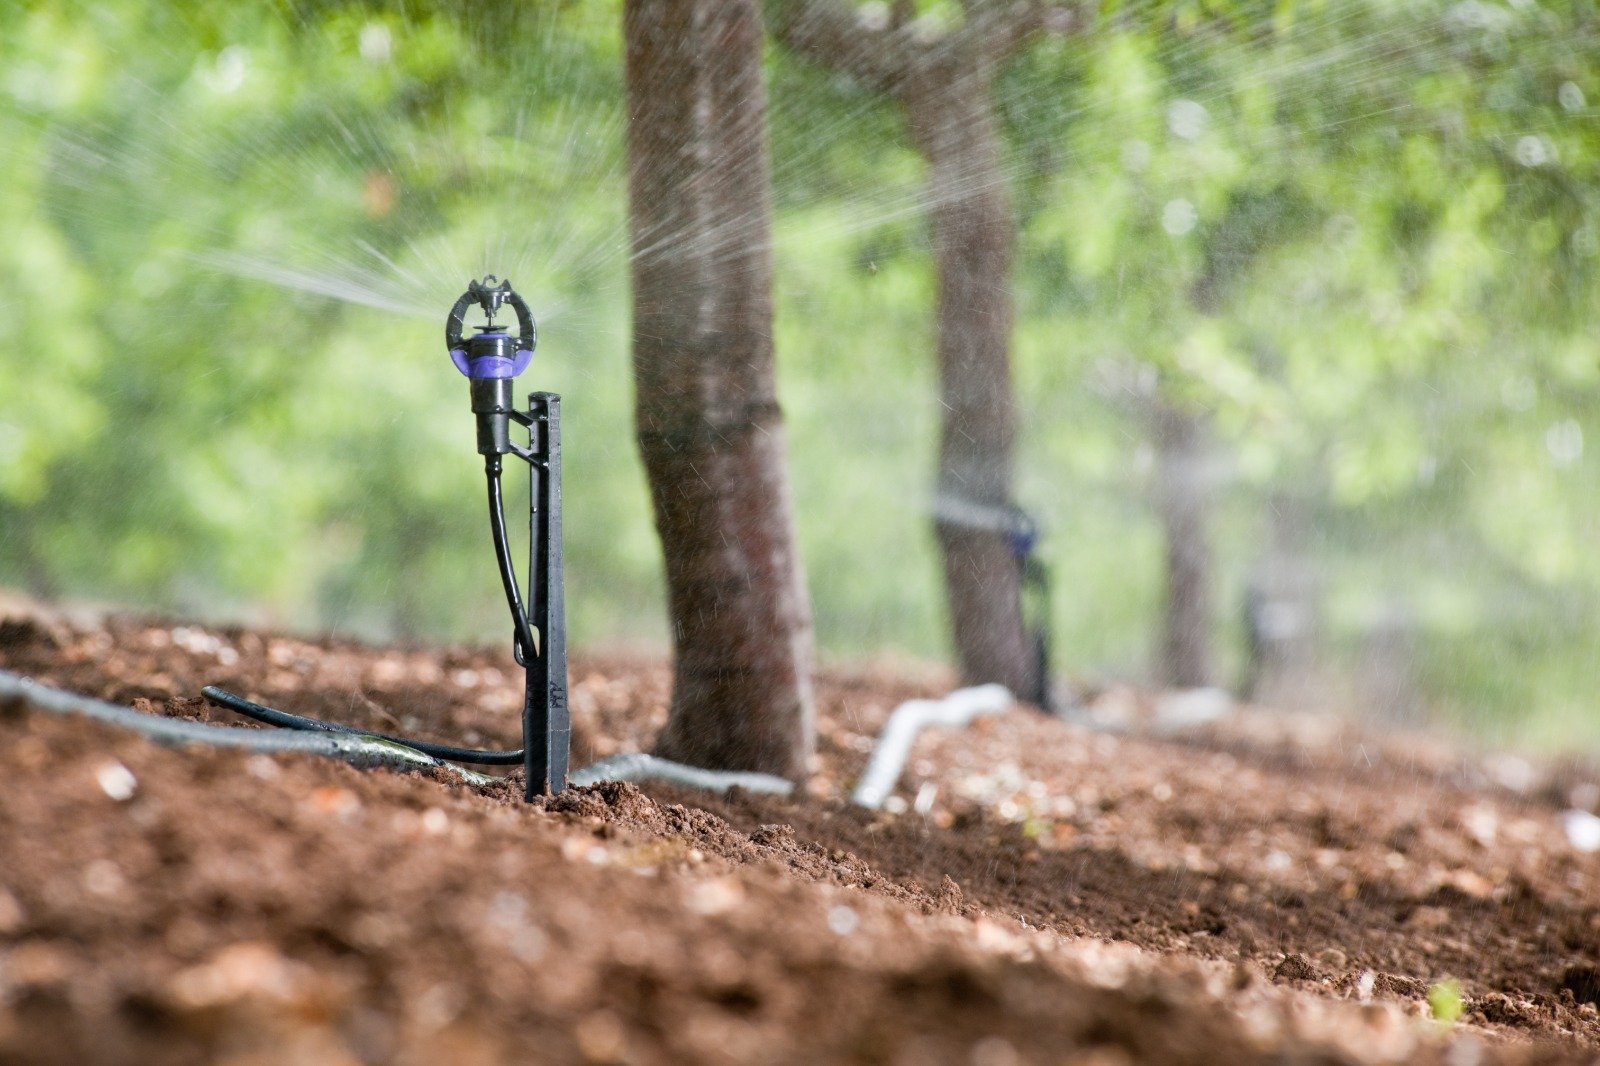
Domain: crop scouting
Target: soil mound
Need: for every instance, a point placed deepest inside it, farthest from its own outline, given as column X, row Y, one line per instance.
column 1050, row 893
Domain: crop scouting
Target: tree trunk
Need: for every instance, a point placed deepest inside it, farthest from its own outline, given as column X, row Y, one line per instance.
column 1387, row 684
column 953, row 123
column 943, row 80
column 706, row 411
column 1183, row 494
column 1283, row 611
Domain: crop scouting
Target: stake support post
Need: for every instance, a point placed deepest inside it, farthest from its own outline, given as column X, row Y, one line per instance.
column 546, row 716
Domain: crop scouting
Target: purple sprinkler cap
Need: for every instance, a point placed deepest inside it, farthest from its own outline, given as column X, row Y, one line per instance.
column 492, row 353
column 485, row 358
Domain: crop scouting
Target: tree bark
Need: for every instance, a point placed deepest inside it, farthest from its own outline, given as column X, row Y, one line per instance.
column 1183, row 498
column 948, row 104
column 943, row 82
column 1283, row 610
column 706, row 413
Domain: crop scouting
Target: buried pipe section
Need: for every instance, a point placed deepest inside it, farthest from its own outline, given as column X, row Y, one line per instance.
column 911, row 718
column 638, row 767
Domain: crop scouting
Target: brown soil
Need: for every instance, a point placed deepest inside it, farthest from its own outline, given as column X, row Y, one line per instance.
column 1259, row 891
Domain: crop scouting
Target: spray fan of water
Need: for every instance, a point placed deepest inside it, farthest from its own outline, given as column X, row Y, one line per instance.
column 1376, row 196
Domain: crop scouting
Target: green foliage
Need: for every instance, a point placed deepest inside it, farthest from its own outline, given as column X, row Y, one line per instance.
column 1444, row 1001
column 1362, row 236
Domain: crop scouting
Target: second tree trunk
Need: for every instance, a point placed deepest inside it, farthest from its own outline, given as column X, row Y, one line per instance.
column 954, row 126
column 707, row 416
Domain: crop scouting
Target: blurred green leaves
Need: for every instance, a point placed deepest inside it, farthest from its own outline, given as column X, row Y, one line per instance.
column 1363, row 237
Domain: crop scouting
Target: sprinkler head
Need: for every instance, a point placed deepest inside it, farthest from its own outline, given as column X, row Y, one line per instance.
column 491, row 358
column 492, row 353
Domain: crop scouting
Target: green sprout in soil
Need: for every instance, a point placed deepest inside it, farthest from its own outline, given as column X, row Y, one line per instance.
column 1444, row 1000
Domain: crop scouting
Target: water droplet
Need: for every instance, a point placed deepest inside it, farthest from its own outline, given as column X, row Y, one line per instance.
column 1179, row 217
column 1186, row 119
column 1564, row 442
column 873, row 15
column 376, row 43
column 1534, row 151
column 228, row 72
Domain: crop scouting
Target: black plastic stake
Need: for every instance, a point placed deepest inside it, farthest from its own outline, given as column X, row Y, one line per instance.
column 546, row 718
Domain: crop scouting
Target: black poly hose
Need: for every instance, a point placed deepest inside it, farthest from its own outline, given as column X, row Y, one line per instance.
column 285, row 720
column 356, row 749
column 523, row 645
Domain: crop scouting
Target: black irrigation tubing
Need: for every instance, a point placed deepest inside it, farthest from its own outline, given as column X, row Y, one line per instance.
column 523, row 644
column 285, row 720
column 339, row 742
column 362, row 750
column 630, row 767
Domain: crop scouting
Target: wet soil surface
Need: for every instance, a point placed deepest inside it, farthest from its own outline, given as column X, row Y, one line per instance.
column 1256, row 889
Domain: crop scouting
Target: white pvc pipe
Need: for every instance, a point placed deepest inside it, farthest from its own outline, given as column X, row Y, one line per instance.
column 638, row 767
column 912, row 717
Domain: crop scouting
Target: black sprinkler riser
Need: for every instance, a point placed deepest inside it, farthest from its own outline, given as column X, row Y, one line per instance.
column 492, row 402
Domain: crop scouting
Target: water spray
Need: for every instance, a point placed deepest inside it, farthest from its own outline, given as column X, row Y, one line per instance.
column 491, row 360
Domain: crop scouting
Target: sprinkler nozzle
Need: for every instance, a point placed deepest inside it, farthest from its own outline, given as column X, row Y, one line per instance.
column 490, row 295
